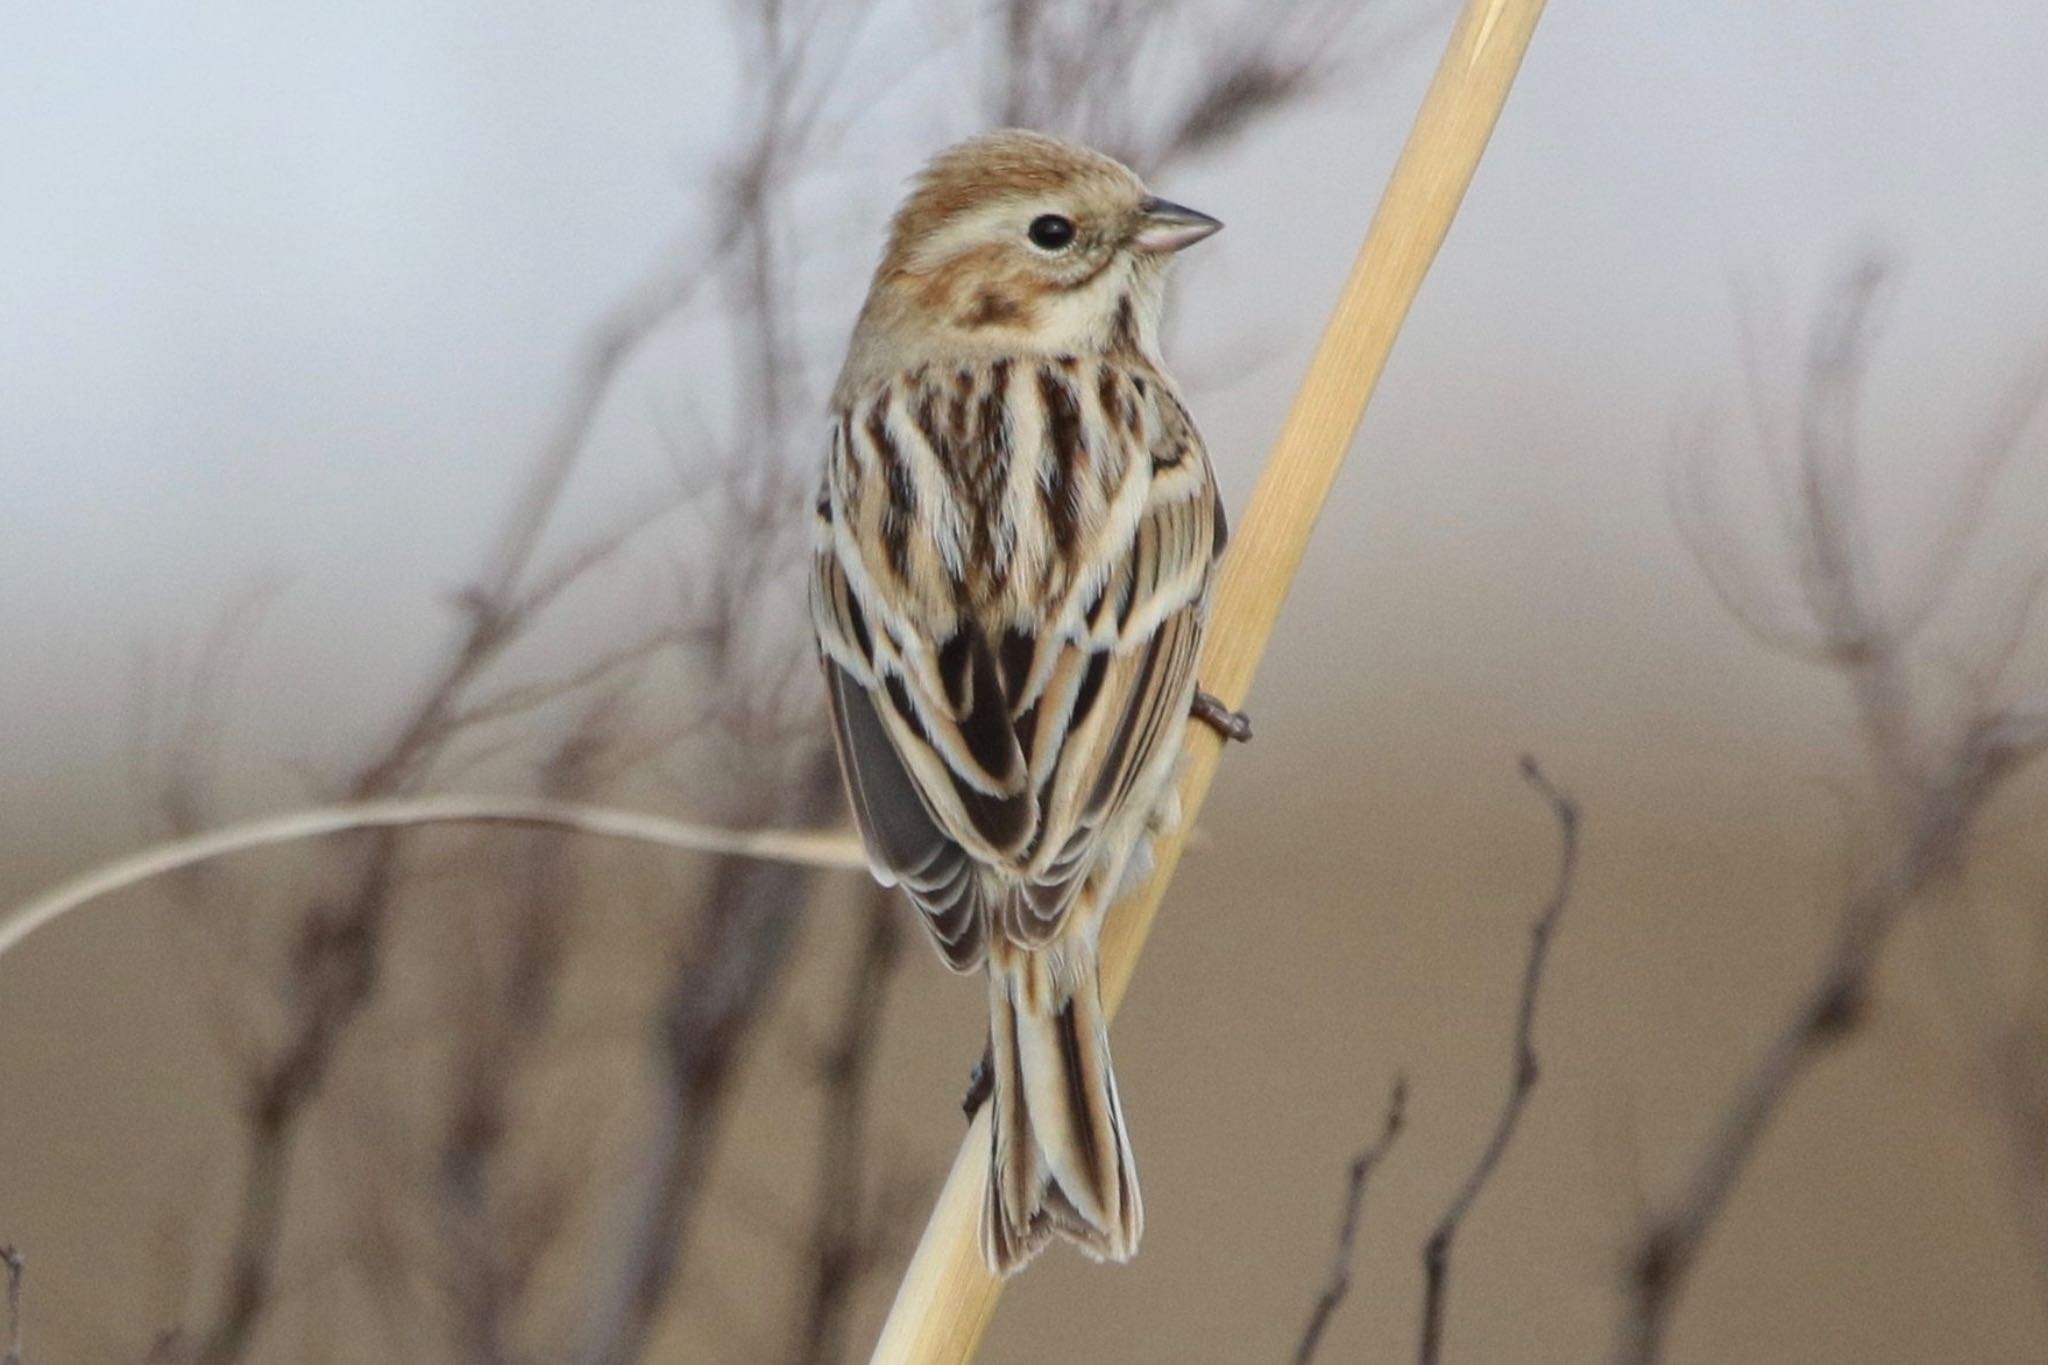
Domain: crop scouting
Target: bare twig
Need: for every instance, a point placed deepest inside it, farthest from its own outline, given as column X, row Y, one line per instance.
column 183, row 707
column 751, row 912
column 1362, row 1167
column 333, row 969
column 1436, row 1253
column 521, row 698
column 492, row 1245
column 1828, row 1012
column 17, row 1265
column 846, row 1233
column 1069, row 68
column 1934, row 780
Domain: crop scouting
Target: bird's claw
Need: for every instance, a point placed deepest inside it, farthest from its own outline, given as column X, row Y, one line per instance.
column 1210, row 710
column 980, row 1084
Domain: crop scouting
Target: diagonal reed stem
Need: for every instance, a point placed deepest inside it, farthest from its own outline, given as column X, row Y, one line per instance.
column 947, row 1295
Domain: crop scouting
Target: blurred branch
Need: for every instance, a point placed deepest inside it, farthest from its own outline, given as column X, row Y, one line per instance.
column 1667, row 1252
column 1282, row 57
column 721, row 984
column 1981, row 466
column 572, row 567
column 1362, row 1167
column 1436, row 1253
column 182, row 710
column 614, row 341
column 847, row 1235
column 16, row 1265
column 795, row 57
column 525, row 697
column 491, row 1249
column 1935, row 781
column 1069, row 68
column 499, row 608
column 333, row 967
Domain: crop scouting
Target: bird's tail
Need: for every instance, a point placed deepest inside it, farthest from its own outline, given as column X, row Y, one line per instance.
column 1059, row 1159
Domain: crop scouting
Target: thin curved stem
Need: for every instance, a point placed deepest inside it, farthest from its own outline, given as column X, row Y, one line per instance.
column 803, row 848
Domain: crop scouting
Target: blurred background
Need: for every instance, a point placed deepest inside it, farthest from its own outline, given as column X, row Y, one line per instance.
column 415, row 398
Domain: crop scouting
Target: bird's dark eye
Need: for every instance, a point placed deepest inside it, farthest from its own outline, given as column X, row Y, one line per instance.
column 1051, row 232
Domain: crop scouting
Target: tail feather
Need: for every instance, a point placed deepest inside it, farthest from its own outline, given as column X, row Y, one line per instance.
column 1060, row 1158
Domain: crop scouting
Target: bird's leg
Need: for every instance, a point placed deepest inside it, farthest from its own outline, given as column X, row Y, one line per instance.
column 1211, row 711
column 981, row 1083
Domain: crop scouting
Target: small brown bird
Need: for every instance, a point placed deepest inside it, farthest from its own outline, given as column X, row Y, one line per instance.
column 1015, row 539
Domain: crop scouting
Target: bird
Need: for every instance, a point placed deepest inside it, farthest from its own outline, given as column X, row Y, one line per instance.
column 1014, row 545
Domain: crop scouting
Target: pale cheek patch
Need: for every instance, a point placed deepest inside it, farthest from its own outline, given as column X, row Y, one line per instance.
column 1079, row 321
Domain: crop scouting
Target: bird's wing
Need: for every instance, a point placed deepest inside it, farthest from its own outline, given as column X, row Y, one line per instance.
column 970, row 744
column 908, row 801
column 1122, row 675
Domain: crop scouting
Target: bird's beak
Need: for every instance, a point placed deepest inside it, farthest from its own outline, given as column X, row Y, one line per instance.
column 1168, row 226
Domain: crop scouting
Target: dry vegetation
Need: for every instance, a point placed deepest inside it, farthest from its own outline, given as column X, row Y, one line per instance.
column 1943, row 727
column 1523, row 1074
column 1937, row 753
column 486, row 1222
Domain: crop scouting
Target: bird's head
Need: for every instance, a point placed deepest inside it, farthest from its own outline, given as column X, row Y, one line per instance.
column 1016, row 242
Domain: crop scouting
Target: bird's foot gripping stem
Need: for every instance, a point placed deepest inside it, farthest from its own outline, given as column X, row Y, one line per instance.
column 979, row 1084
column 1211, row 711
